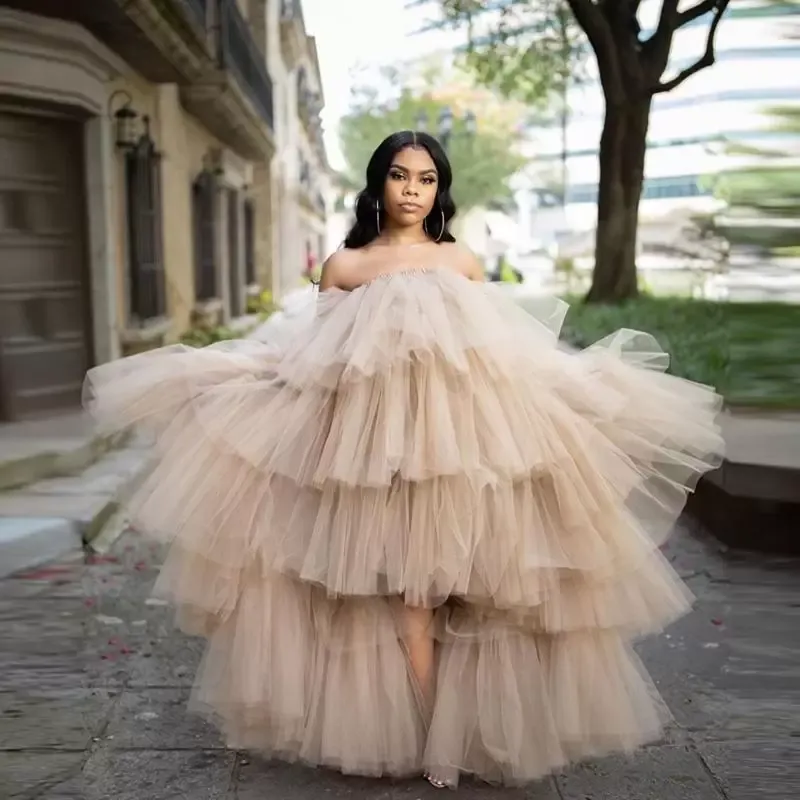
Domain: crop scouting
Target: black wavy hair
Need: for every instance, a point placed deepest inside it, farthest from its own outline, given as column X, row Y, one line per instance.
column 370, row 199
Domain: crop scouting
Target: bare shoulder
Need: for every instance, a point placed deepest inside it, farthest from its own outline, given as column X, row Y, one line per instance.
column 340, row 269
column 464, row 260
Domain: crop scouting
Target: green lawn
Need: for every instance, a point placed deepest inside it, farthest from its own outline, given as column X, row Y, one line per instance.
column 749, row 351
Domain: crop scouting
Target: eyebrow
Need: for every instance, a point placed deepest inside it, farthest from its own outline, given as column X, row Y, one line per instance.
column 423, row 172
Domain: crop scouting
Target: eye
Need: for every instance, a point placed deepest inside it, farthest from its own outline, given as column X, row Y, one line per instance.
column 429, row 179
column 395, row 176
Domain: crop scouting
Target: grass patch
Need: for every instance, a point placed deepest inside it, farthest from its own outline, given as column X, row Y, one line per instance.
column 750, row 352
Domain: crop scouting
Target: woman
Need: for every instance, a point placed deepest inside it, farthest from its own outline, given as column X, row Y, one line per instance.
column 418, row 536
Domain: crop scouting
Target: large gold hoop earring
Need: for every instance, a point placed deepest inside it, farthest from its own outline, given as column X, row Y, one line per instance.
column 378, row 216
column 441, row 232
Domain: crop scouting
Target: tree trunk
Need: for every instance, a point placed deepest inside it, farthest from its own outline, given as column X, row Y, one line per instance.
column 622, row 151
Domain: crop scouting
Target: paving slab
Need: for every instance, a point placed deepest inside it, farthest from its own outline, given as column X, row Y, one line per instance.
column 47, row 719
column 257, row 779
column 24, row 776
column 761, row 769
column 158, row 775
column 157, row 719
column 642, row 778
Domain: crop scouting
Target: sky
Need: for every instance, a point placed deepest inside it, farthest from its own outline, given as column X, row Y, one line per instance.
column 357, row 33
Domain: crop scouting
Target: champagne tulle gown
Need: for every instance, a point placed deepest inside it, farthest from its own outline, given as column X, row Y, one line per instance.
column 421, row 439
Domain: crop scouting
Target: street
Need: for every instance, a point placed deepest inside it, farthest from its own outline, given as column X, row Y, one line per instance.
column 94, row 681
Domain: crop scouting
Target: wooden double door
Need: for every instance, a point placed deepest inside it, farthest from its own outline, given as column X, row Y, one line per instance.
column 45, row 325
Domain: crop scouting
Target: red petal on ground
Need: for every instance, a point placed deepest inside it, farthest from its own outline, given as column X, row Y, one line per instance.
column 95, row 558
column 44, row 573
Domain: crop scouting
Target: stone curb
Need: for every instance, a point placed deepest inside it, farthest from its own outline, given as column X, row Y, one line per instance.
column 44, row 520
column 29, row 542
column 56, row 463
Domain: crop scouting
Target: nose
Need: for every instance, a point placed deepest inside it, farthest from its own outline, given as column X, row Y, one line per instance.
column 410, row 189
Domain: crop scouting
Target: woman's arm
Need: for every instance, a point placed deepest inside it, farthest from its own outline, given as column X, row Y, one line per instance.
column 470, row 265
column 337, row 271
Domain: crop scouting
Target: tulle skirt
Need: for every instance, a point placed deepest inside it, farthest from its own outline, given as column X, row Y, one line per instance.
column 424, row 442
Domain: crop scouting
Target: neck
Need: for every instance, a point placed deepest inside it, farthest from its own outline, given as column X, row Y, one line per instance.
column 413, row 235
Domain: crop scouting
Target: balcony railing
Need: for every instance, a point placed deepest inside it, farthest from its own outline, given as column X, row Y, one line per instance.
column 241, row 55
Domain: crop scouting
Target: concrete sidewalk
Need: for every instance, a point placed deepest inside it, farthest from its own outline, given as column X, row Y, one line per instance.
column 94, row 681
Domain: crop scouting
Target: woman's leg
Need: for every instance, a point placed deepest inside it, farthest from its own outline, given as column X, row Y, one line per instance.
column 417, row 624
column 419, row 643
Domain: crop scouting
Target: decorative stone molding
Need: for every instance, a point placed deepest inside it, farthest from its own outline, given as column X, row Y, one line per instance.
column 153, row 334
column 49, row 60
column 293, row 32
column 180, row 39
column 222, row 107
column 234, row 172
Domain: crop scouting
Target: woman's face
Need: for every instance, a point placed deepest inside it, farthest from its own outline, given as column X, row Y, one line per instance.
column 411, row 186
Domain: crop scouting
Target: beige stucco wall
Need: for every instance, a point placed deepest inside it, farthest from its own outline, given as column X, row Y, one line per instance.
column 184, row 144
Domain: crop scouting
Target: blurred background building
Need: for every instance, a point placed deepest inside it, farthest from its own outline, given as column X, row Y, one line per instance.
column 689, row 127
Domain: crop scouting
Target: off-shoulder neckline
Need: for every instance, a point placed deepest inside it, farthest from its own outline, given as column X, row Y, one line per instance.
column 385, row 276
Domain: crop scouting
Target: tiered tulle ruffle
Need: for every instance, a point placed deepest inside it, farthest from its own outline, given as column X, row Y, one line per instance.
column 420, row 438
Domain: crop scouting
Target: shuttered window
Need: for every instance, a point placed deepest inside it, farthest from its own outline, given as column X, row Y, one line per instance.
column 145, row 233
column 204, row 192
column 249, row 243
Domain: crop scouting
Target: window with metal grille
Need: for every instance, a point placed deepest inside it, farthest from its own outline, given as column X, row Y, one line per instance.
column 249, row 242
column 236, row 295
column 204, row 192
column 145, row 239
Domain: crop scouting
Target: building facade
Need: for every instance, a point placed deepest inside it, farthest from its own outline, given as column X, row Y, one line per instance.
column 302, row 168
column 141, row 180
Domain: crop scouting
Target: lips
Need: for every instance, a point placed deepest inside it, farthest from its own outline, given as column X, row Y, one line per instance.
column 410, row 206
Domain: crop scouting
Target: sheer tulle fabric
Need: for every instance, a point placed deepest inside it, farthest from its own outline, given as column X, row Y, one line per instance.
column 424, row 440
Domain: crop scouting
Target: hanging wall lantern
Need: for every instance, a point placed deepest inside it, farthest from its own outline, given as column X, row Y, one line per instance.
column 125, row 121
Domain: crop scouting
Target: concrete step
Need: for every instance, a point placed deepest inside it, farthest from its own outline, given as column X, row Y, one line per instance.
column 54, row 446
column 46, row 518
column 29, row 541
column 752, row 501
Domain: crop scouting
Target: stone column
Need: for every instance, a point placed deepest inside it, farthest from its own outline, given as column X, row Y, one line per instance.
column 100, row 162
column 262, row 194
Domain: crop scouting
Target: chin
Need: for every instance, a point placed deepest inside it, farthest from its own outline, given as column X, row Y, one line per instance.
column 409, row 218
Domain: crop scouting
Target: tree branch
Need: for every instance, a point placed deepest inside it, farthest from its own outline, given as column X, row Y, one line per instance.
column 597, row 30
column 708, row 57
column 657, row 47
column 691, row 14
